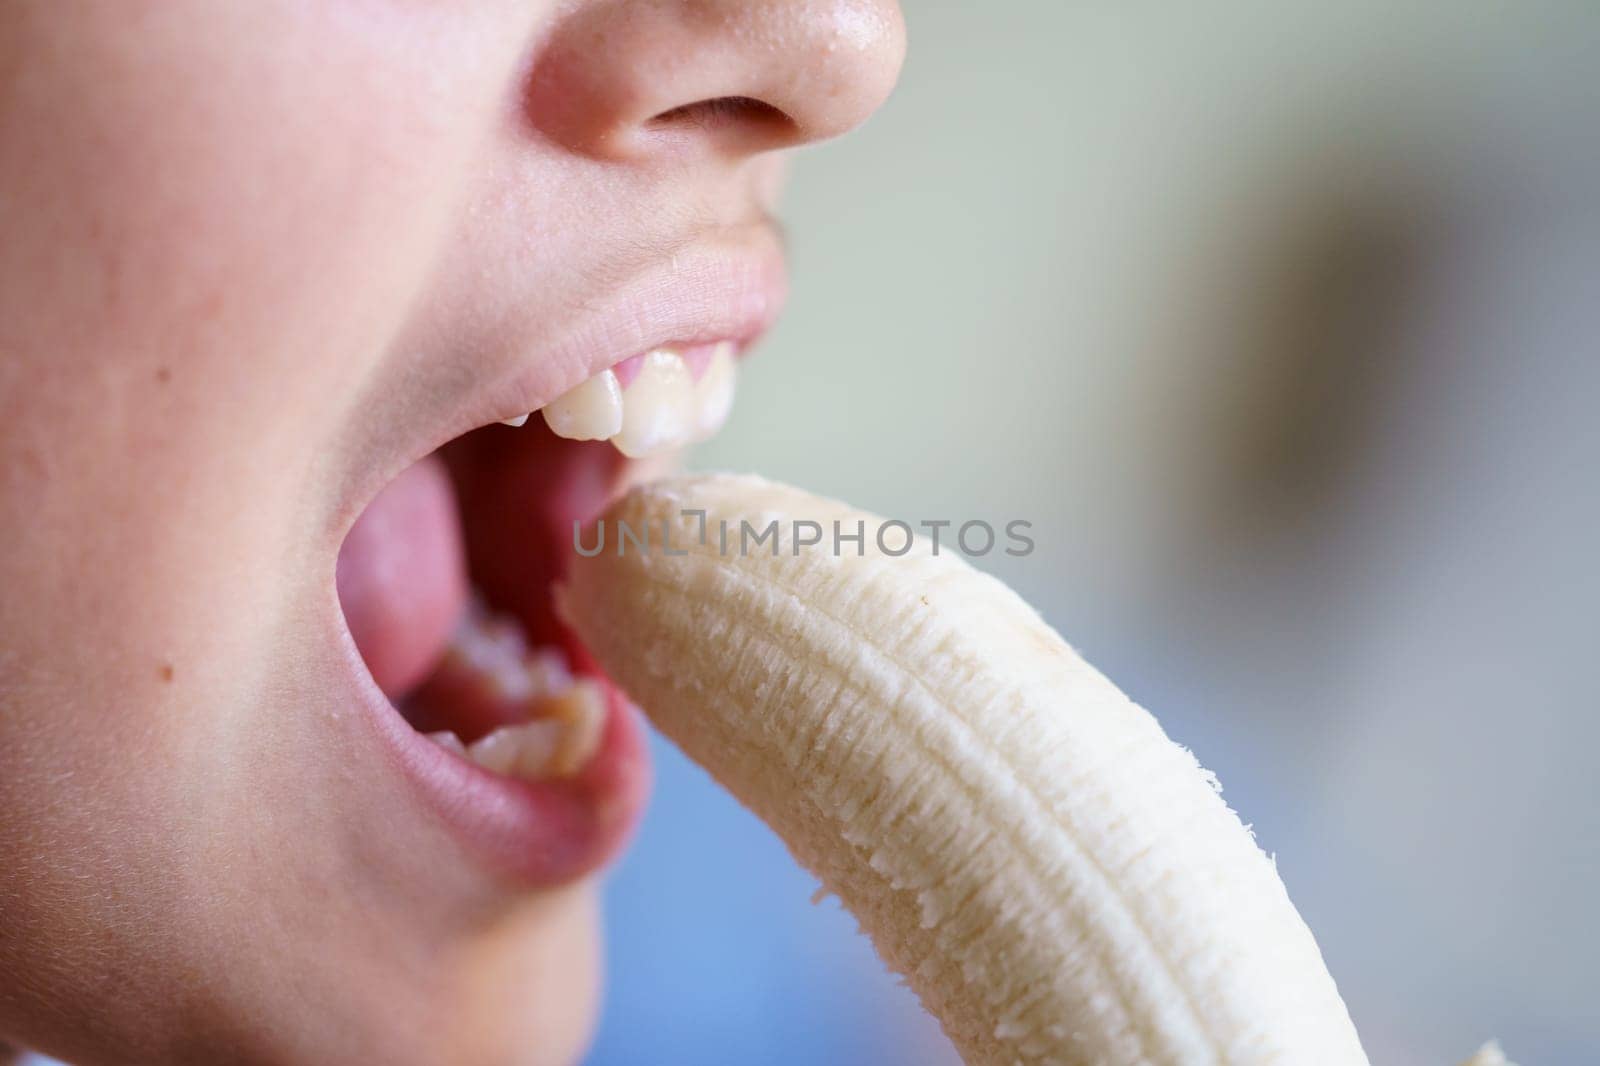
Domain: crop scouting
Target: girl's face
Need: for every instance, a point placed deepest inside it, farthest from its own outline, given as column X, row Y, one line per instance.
column 259, row 262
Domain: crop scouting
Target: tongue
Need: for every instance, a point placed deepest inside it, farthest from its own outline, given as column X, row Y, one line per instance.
column 506, row 504
column 402, row 577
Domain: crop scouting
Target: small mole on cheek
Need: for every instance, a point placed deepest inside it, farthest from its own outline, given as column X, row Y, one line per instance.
column 166, row 672
column 163, row 374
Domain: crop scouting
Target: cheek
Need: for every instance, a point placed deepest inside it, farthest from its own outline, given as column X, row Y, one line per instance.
column 214, row 217
column 209, row 241
column 254, row 205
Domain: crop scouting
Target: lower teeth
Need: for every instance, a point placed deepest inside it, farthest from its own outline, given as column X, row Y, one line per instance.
column 552, row 721
column 557, row 741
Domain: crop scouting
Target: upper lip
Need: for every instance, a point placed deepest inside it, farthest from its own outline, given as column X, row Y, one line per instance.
column 729, row 284
column 730, row 287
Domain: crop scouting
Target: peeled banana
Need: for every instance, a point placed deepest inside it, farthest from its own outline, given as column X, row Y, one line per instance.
column 1056, row 879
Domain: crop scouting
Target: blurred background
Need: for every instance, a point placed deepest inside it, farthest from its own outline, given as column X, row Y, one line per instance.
column 1280, row 324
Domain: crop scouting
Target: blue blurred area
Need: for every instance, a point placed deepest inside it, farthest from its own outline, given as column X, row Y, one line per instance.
column 715, row 953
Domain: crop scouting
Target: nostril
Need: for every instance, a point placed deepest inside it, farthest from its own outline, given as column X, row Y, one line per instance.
column 725, row 112
column 711, row 80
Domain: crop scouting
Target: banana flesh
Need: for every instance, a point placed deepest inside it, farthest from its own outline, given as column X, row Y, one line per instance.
column 1056, row 879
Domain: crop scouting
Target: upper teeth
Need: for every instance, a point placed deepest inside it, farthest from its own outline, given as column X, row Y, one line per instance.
column 592, row 411
column 661, row 409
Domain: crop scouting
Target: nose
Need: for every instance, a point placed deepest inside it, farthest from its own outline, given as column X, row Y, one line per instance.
column 633, row 79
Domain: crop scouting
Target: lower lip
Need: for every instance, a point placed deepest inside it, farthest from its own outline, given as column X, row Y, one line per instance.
column 538, row 834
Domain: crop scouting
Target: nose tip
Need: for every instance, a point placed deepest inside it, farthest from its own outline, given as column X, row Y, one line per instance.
column 731, row 76
column 841, row 62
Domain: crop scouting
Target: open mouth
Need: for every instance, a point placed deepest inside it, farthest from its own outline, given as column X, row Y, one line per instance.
column 445, row 581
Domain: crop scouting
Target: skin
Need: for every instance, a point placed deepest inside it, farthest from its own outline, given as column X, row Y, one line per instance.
column 258, row 259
